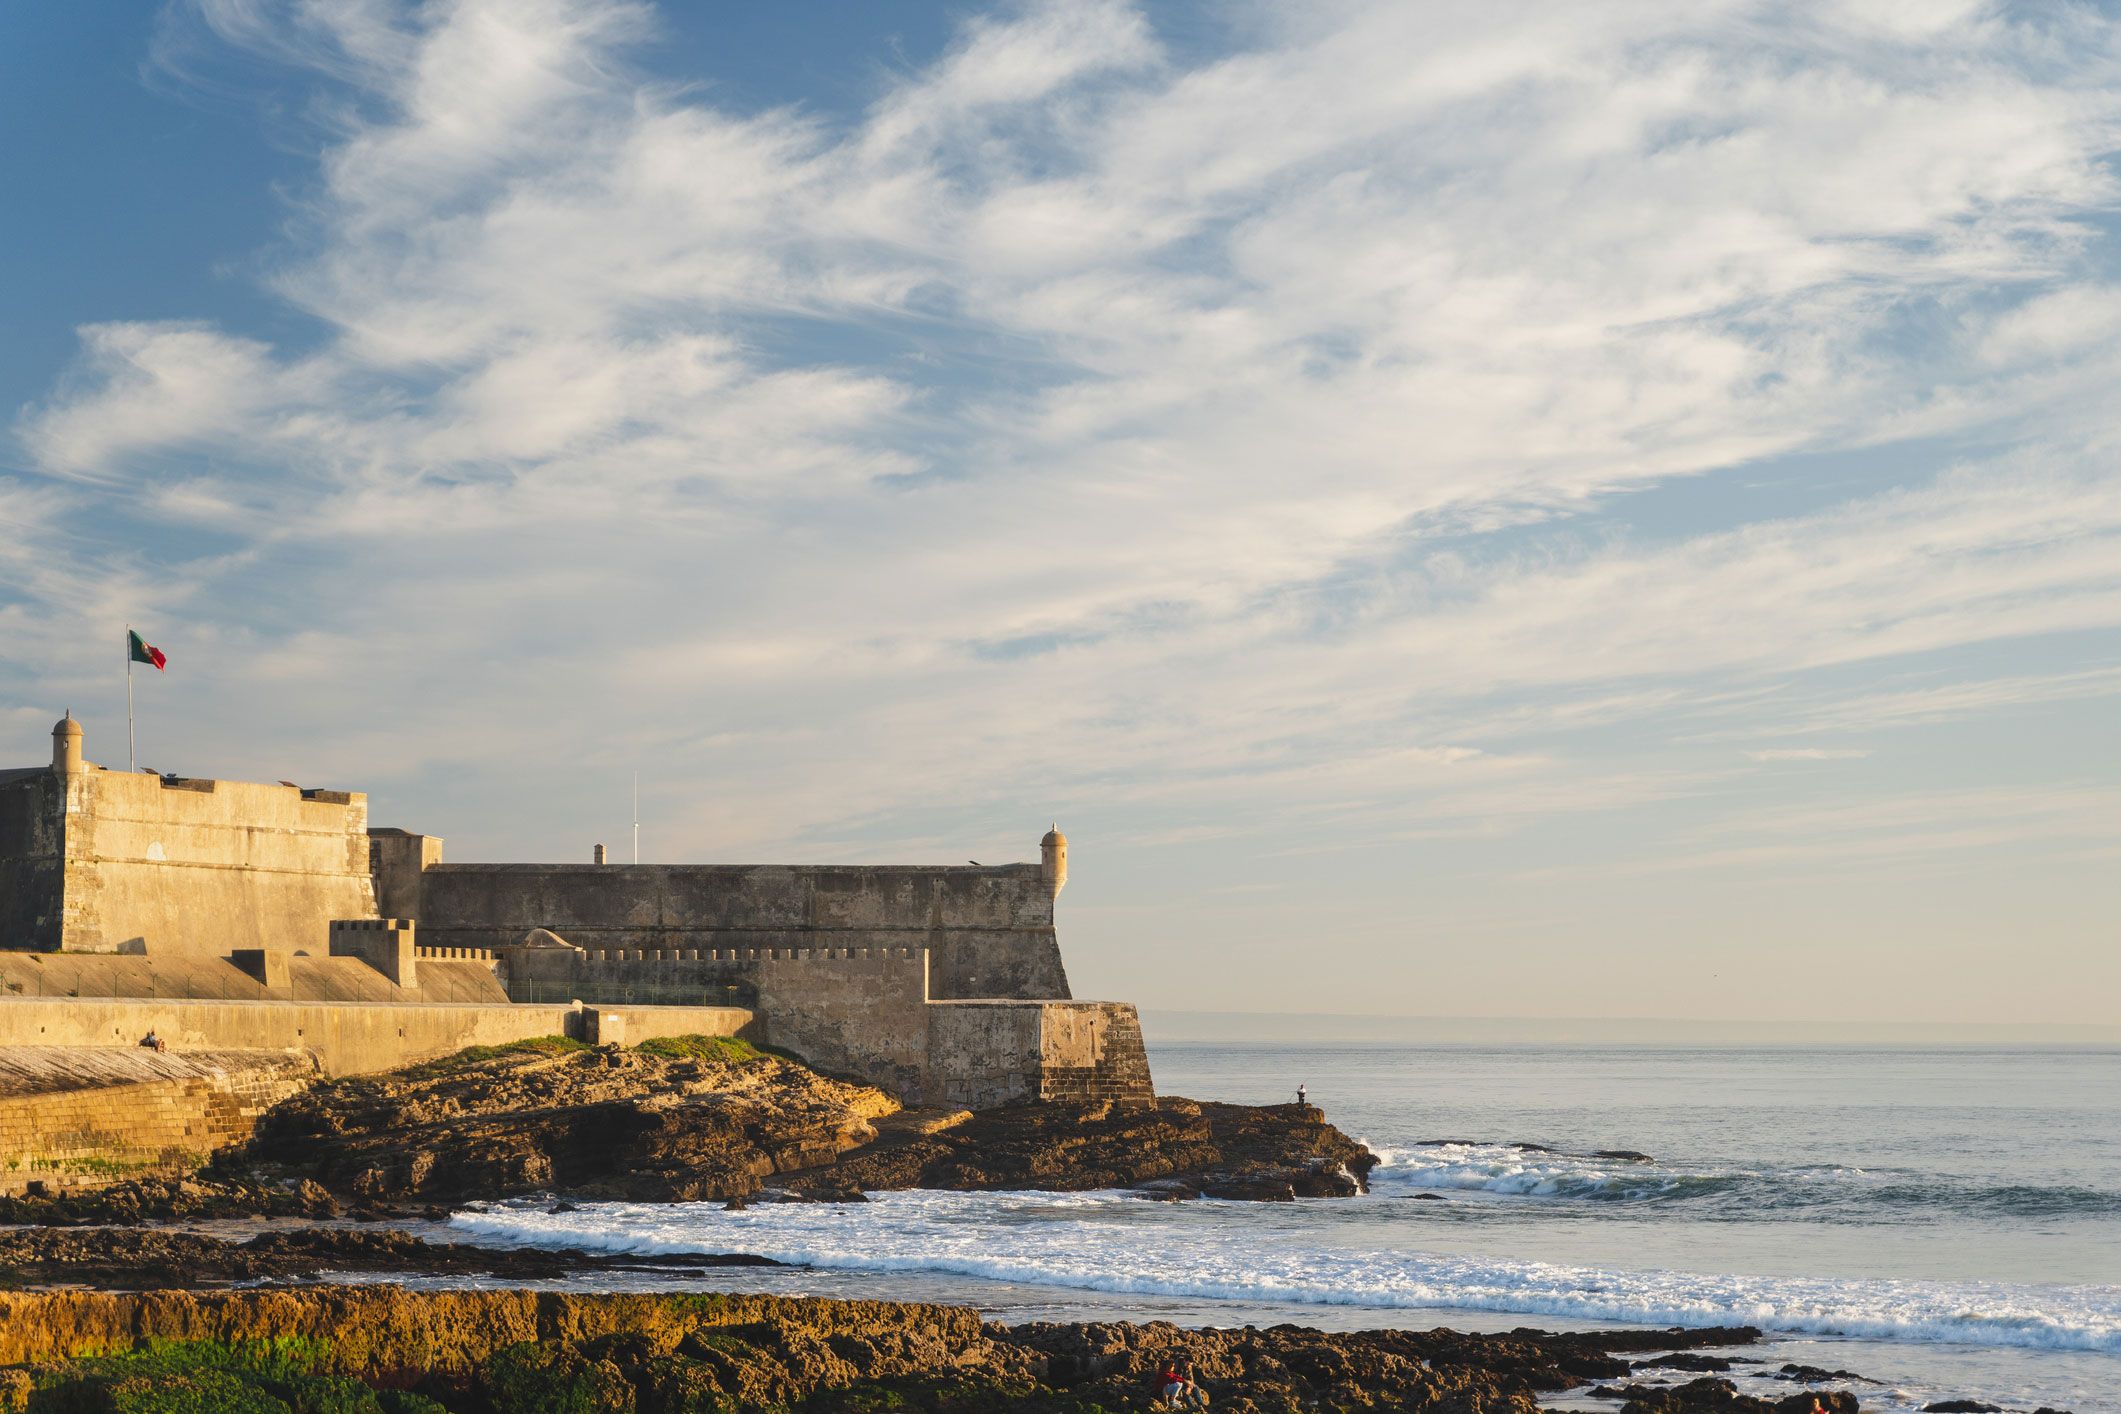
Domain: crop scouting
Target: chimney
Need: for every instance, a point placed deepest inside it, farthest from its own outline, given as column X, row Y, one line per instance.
column 598, row 857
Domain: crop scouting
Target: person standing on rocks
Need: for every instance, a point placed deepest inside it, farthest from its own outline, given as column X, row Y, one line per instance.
column 1302, row 1098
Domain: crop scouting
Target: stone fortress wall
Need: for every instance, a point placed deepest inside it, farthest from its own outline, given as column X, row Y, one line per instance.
column 989, row 930
column 253, row 915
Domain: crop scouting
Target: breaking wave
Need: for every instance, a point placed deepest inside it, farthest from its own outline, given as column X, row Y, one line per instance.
column 1532, row 1171
column 1116, row 1243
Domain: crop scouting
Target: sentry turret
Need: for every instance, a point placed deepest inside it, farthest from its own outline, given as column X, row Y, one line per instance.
column 1053, row 860
column 66, row 745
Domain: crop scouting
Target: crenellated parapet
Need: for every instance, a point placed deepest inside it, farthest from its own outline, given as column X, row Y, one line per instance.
column 389, row 945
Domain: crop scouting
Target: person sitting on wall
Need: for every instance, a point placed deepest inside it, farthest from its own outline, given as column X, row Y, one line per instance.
column 154, row 1042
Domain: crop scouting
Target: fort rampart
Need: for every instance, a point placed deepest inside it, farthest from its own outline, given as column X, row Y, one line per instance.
column 344, row 1038
column 226, row 915
column 74, row 1117
column 988, row 929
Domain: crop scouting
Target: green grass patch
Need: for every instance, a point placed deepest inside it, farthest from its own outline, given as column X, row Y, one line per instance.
column 533, row 1046
column 728, row 1049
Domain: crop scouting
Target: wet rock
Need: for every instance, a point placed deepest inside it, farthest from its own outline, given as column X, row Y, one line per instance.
column 1699, row 1364
column 1254, row 1188
column 1961, row 1406
column 1271, row 1153
column 134, row 1258
column 1814, row 1374
column 1168, row 1190
column 224, row 1191
column 1713, row 1396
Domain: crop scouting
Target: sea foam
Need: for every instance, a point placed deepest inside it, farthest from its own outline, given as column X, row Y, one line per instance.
column 1798, row 1190
column 1118, row 1243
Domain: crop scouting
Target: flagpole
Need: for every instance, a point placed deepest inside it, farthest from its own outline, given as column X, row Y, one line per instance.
column 132, row 745
column 637, row 817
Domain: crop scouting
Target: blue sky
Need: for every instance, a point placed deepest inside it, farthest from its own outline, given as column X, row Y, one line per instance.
column 1504, row 510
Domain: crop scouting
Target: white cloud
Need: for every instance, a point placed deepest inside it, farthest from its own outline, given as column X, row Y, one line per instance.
column 1087, row 422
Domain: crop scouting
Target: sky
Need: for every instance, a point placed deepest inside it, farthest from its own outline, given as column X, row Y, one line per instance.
column 1532, row 510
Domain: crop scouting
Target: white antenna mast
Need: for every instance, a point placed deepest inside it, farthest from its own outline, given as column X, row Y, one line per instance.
column 637, row 817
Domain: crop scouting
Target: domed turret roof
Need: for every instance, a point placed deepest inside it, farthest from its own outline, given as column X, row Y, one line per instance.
column 66, row 726
column 1053, row 836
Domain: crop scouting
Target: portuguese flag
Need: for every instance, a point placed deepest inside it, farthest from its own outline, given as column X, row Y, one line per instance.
column 139, row 650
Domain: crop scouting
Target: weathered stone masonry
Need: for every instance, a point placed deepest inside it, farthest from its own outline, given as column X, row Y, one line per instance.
column 989, row 930
column 78, row 1118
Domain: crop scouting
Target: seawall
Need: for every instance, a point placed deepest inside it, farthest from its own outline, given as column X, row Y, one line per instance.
column 75, row 1118
column 345, row 1038
column 982, row 1053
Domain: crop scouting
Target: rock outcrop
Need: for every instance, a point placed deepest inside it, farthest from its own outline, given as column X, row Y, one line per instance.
column 1178, row 1149
column 662, row 1122
column 704, row 1120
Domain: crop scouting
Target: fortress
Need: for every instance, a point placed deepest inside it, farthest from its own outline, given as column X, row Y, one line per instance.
column 233, row 917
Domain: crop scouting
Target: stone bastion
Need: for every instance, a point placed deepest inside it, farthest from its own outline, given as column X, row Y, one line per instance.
column 235, row 917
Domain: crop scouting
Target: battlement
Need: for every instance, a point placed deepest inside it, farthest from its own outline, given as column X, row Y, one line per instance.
column 597, row 956
column 989, row 928
column 386, row 944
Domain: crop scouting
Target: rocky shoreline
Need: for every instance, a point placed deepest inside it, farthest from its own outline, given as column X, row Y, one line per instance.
column 370, row 1350
column 702, row 1120
column 167, row 1308
column 106, row 1307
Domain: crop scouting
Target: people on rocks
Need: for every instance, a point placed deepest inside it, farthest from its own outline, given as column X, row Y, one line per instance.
column 1176, row 1387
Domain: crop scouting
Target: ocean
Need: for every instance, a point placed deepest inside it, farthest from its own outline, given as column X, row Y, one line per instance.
column 1945, row 1221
